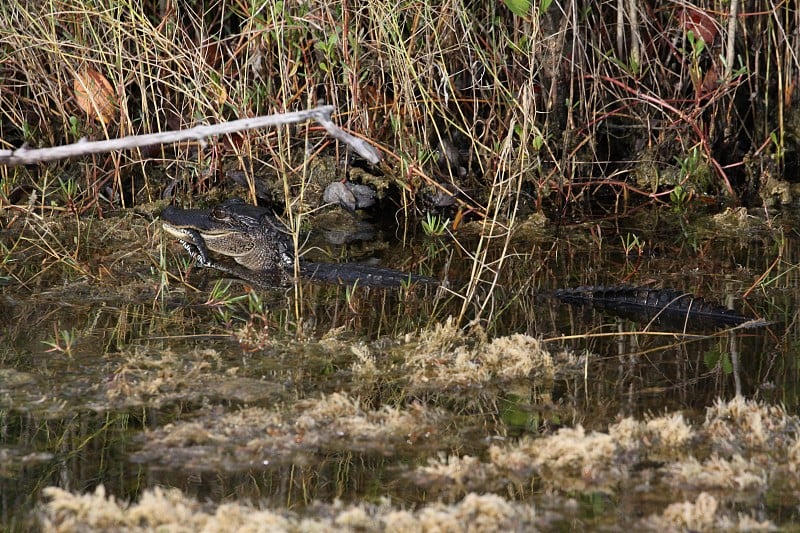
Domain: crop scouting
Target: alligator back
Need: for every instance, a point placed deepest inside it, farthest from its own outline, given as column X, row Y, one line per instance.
column 360, row 274
column 668, row 307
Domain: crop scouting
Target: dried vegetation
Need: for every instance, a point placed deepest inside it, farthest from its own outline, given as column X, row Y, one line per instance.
column 666, row 452
column 490, row 112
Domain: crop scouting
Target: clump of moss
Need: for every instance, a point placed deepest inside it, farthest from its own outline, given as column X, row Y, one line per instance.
column 171, row 510
column 665, row 450
column 446, row 357
column 329, row 423
column 342, row 415
column 738, row 425
column 157, row 508
column 572, row 459
column 704, row 514
column 455, row 476
column 736, row 473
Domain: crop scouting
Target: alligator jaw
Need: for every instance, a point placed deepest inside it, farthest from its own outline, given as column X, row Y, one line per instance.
column 186, row 224
column 182, row 234
column 192, row 242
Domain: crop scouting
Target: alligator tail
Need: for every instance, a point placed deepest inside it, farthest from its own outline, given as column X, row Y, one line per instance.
column 665, row 305
column 360, row 274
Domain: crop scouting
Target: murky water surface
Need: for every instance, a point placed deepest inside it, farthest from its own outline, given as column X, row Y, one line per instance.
column 116, row 370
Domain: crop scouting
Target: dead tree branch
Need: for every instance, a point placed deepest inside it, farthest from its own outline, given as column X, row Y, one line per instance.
column 321, row 114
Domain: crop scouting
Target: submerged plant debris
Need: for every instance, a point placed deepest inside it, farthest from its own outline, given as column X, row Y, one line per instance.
column 515, row 149
column 657, row 453
column 170, row 509
column 217, row 439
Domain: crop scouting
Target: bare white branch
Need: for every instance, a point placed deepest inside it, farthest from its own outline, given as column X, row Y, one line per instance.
column 321, row 114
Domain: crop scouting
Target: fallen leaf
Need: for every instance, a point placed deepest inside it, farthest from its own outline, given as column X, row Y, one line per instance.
column 700, row 23
column 95, row 95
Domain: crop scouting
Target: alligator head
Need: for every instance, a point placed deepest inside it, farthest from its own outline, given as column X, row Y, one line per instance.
column 250, row 235
column 262, row 250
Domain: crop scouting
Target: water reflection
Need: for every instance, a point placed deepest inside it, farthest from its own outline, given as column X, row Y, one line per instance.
column 90, row 373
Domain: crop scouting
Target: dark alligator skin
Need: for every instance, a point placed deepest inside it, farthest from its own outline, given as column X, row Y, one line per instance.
column 667, row 307
column 357, row 273
column 336, row 273
column 250, row 243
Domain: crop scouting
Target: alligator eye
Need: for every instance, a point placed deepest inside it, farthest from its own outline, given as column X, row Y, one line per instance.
column 218, row 213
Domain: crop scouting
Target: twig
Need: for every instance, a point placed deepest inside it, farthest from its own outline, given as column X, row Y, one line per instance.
column 321, row 114
column 730, row 44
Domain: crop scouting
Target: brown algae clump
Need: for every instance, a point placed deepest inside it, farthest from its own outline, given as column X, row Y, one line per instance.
column 252, row 435
column 171, row 510
column 704, row 514
column 664, row 450
column 447, row 357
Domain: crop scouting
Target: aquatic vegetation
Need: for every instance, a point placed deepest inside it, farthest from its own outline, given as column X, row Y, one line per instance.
column 552, row 140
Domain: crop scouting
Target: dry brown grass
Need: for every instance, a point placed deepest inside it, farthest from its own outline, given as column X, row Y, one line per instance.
column 540, row 100
column 580, row 98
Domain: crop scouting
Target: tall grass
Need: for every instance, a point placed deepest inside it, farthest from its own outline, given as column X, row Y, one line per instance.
column 549, row 103
column 575, row 89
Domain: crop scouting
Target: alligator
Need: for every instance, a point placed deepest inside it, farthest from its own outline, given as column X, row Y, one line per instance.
column 669, row 308
column 262, row 254
column 256, row 247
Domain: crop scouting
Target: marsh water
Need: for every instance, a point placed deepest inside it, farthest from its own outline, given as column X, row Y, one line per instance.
column 121, row 366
